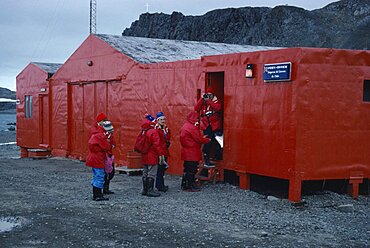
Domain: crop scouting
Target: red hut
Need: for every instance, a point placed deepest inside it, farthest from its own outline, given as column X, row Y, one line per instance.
column 297, row 113
column 126, row 77
column 33, row 108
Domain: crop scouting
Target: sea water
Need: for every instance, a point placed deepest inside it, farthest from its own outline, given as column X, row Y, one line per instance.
column 6, row 118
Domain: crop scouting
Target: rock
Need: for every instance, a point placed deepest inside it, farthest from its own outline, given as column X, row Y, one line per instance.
column 342, row 24
column 11, row 128
column 272, row 198
column 347, row 208
column 6, row 93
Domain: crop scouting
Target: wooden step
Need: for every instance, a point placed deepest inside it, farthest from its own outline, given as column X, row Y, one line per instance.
column 38, row 153
column 129, row 171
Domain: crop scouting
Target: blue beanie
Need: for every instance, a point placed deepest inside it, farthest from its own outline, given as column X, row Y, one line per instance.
column 159, row 114
column 149, row 117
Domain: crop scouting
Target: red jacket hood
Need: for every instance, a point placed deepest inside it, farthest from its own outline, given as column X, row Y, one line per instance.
column 97, row 129
column 147, row 124
column 193, row 117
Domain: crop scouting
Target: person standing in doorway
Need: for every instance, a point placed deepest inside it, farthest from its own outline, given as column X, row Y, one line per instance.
column 209, row 109
column 191, row 140
column 99, row 144
column 165, row 137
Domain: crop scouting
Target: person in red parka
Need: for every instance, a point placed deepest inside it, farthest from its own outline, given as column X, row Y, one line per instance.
column 209, row 107
column 152, row 158
column 165, row 138
column 191, row 140
column 99, row 144
column 109, row 163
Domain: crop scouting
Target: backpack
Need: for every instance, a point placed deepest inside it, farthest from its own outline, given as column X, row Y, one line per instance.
column 141, row 144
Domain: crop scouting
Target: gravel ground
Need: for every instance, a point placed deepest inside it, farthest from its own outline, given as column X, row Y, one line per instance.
column 50, row 201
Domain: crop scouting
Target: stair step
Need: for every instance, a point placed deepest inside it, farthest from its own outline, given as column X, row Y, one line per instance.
column 38, row 153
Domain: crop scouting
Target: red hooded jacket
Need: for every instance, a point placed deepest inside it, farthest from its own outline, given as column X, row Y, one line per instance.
column 191, row 139
column 164, row 138
column 213, row 107
column 156, row 149
column 98, row 146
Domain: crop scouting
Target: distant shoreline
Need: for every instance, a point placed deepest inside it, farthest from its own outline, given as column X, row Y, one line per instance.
column 8, row 111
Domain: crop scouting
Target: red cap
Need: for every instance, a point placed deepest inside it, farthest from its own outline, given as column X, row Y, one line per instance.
column 210, row 90
column 101, row 117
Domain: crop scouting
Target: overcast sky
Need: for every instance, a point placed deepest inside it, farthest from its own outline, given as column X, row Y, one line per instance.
column 51, row 30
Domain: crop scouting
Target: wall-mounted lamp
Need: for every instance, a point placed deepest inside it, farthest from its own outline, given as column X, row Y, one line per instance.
column 89, row 63
column 249, row 71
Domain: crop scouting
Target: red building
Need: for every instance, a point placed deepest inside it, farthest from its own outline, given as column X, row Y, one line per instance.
column 303, row 115
column 35, row 105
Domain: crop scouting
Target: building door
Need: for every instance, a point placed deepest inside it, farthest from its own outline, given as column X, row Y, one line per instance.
column 86, row 101
column 44, row 121
column 75, row 119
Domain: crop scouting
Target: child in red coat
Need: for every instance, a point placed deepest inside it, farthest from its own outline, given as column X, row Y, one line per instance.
column 109, row 161
column 165, row 138
column 99, row 144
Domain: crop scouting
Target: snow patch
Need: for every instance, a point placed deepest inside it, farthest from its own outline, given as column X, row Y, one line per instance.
column 8, row 223
column 8, row 143
column 7, row 100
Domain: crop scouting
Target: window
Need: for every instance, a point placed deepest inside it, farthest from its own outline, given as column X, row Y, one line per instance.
column 28, row 106
column 366, row 91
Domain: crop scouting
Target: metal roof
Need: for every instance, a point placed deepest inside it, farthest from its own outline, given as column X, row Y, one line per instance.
column 48, row 67
column 150, row 50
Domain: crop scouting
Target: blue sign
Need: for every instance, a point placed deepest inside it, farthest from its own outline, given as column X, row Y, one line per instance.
column 277, row 72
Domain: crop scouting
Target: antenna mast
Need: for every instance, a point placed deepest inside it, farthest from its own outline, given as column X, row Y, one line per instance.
column 92, row 16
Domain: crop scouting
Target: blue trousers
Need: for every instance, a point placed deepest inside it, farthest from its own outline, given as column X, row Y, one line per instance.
column 98, row 178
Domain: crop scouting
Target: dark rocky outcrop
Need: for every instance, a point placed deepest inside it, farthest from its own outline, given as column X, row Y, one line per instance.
column 342, row 24
column 7, row 94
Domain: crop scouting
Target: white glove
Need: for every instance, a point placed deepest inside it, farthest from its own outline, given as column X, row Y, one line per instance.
column 161, row 159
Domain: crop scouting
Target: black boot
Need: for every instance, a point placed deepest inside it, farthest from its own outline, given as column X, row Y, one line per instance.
column 193, row 184
column 159, row 182
column 106, row 190
column 98, row 195
column 207, row 163
column 185, row 181
column 145, row 187
column 163, row 189
column 150, row 186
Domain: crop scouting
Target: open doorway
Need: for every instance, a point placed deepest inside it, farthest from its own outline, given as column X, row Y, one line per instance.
column 216, row 81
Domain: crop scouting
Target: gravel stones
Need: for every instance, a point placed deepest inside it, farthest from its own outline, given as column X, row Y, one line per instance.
column 55, row 195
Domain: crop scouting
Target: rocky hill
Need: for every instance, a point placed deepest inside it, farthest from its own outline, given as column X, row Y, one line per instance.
column 7, row 94
column 342, row 24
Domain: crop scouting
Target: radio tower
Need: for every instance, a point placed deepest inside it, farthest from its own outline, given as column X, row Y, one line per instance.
column 92, row 16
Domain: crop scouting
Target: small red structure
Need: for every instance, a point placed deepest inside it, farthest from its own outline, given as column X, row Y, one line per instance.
column 295, row 113
column 34, row 106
